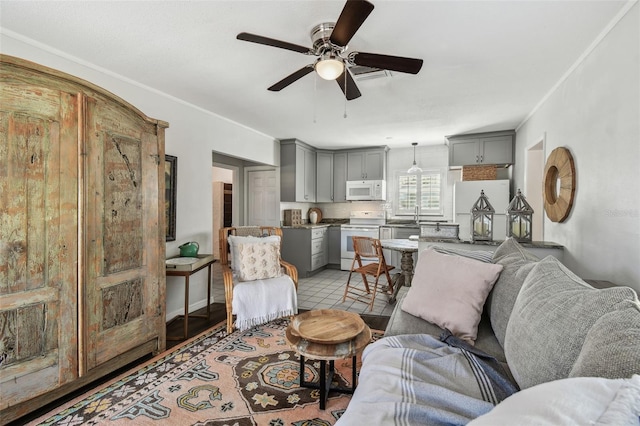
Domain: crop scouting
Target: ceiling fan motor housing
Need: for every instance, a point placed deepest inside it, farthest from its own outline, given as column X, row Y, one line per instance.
column 320, row 38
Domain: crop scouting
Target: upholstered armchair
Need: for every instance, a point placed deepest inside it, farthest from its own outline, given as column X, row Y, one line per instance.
column 258, row 285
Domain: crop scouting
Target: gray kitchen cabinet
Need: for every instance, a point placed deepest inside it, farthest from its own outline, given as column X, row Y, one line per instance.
column 307, row 248
column 324, row 177
column 481, row 149
column 367, row 164
column 334, row 245
column 339, row 177
column 297, row 171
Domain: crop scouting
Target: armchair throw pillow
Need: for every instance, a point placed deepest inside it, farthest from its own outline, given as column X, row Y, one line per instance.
column 258, row 260
column 234, row 240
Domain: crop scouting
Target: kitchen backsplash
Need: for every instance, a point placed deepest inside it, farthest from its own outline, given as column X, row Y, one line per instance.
column 335, row 210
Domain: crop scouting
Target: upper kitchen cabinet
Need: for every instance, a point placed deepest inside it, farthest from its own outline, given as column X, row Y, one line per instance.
column 339, row 177
column 297, row 171
column 481, row 148
column 331, row 173
column 324, row 177
column 369, row 164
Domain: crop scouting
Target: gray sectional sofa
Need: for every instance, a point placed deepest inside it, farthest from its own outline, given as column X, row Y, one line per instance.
column 550, row 349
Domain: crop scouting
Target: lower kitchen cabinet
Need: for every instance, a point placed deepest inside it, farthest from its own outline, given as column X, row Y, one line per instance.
column 307, row 248
column 334, row 246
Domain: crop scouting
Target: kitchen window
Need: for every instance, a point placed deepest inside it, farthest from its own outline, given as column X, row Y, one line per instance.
column 422, row 189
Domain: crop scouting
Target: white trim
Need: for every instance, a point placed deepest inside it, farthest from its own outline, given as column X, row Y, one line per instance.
column 582, row 57
column 542, row 139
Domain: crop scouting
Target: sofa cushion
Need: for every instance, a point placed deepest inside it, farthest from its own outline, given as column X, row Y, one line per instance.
column 552, row 315
column 576, row 401
column 481, row 255
column 612, row 346
column 517, row 263
column 402, row 322
column 450, row 291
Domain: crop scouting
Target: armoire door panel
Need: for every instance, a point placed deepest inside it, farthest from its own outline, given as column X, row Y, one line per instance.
column 121, row 195
column 123, row 242
column 38, row 240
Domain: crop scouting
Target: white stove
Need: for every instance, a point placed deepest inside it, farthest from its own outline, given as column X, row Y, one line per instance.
column 361, row 224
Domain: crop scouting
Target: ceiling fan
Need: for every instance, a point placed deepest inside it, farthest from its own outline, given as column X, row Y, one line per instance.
column 330, row 44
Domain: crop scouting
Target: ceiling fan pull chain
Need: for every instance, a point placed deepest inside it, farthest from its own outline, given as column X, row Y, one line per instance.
column 345, row 92
column 315, row 98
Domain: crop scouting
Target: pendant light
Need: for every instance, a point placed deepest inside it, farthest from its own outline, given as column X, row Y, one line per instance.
column 414, row 168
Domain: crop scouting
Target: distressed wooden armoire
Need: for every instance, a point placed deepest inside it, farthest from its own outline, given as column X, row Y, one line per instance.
column 82, row 236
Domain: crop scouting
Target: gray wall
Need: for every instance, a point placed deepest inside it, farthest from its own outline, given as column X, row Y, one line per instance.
column 595, row 113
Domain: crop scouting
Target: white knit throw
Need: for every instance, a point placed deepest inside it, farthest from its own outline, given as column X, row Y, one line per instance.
column 258, row 302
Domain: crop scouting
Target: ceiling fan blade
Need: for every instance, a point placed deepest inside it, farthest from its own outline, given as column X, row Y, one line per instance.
column 291, row 78
column 386, row 62
column 273, row 42
column 351, row 91
column 351, row 18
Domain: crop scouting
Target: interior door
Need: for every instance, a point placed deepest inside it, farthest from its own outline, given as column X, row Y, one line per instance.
column 122, row 288
column 38, row 239
column 263, row 201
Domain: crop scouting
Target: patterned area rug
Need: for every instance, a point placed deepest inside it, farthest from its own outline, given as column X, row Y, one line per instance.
column 245, row 378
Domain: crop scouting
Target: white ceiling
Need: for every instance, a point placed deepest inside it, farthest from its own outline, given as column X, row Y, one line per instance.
column 487, row 64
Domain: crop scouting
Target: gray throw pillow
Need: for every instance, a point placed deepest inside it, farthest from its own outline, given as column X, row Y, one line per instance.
column 511, row 247
column 552, row 315
column 612, row 346
column 517, row 263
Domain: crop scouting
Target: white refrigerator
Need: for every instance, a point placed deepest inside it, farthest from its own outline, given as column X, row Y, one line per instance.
column 466, row 193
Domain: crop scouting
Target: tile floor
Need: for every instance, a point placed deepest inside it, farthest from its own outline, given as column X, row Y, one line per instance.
column 324, row 290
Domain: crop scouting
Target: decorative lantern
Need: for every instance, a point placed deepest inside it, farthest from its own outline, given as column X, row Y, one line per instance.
column 519, row 216
column 482, row 219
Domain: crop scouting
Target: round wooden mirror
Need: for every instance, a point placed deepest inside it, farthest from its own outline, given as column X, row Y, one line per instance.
column 559, row 184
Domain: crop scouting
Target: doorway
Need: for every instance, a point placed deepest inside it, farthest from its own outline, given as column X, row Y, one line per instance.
column 534, row 171
column 224, row 207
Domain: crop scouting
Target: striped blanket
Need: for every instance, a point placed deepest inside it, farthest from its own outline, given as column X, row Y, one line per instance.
column 419, row 380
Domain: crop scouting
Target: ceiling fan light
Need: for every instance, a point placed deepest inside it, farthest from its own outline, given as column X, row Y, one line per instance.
column 329, row 68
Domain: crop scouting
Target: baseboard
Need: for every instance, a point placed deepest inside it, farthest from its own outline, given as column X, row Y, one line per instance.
column 193, row 307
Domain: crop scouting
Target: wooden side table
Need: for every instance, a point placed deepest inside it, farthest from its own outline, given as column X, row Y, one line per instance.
column 180, row 267
column 328, row 335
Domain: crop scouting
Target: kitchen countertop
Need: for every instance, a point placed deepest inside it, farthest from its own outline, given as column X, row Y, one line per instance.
column 405, row 223
column 532, row 244
column 309, row 226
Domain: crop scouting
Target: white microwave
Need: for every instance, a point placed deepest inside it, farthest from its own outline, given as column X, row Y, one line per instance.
column 366, row 190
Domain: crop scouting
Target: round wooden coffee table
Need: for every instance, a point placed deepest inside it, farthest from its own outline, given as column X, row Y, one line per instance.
column 328, row 335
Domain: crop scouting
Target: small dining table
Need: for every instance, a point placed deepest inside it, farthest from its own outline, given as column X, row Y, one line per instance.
column 407, row 248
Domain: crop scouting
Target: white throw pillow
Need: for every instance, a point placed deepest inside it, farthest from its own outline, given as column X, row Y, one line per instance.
column 577, row 401
column 450, row 291
column 235, row 240
column 258, row 261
